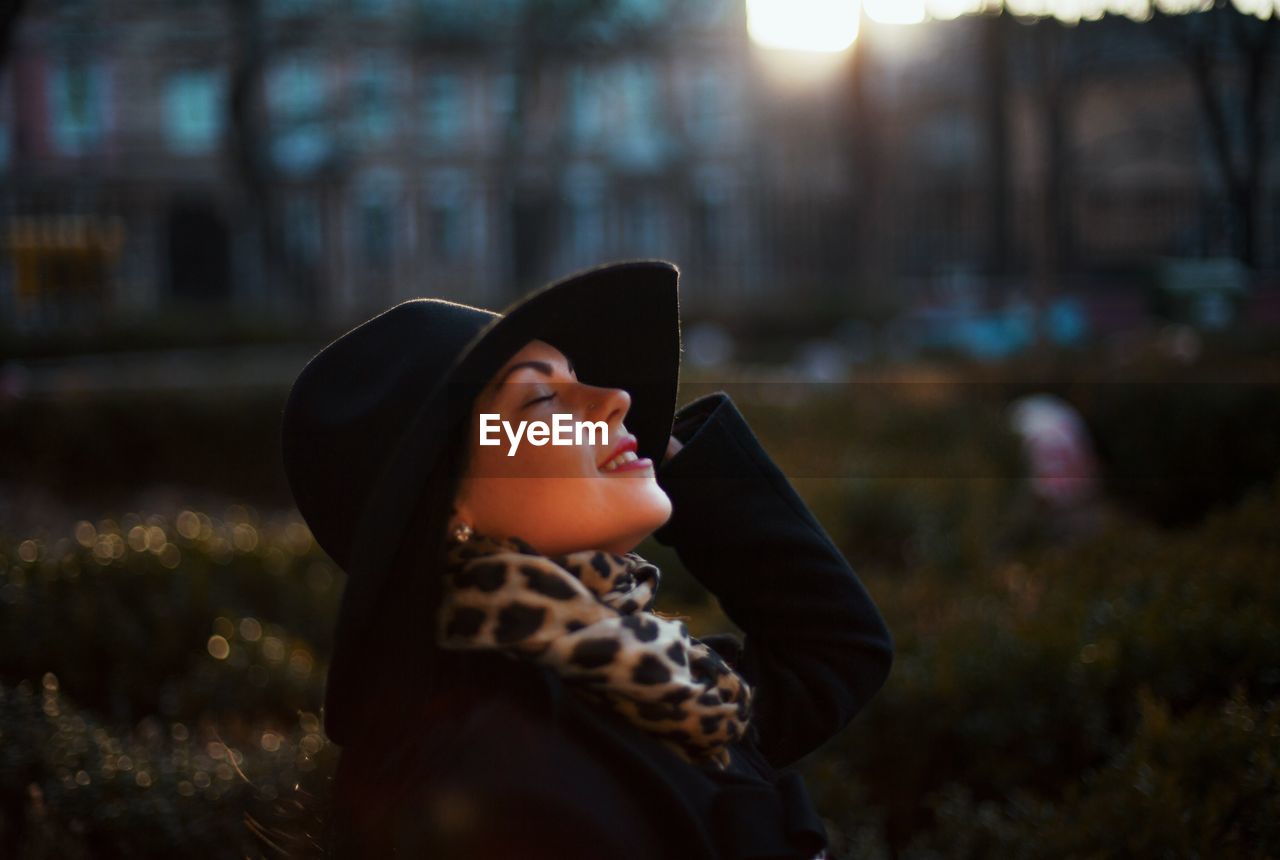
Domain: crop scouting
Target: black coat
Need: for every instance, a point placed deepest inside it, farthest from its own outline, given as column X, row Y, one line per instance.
column 522, row 768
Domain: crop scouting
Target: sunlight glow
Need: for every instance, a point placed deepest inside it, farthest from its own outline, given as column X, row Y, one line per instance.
column 1180, row 7
column 829, row 26
column 1263, row 9
column 945, row 10
column 803, row 25
column 895, row 11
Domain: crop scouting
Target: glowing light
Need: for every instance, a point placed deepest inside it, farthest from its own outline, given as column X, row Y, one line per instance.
column 170, row 556
column 1263, row 9
column 28, row 551
column 1029, row 8
column 895, row 11
column 250, row 629
column 188, row 525
column 803, row 25
column 273, row 649
column 86, row 534
column 945, row 10
column 138, row 538
column 1135, row 10
column 245, row 537
column 218, row 647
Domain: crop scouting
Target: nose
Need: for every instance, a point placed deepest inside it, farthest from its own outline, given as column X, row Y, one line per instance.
column 601, row 403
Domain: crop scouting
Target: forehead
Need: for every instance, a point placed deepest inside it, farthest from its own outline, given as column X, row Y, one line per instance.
column 533, row 349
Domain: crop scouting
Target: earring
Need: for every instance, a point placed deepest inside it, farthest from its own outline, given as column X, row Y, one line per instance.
column 463, row 532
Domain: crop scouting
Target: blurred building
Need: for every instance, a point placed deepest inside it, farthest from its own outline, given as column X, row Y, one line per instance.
column 320, row 159
column 375, row 156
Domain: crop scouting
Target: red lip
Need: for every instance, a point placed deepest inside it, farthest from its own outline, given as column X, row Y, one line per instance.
column 627, row 443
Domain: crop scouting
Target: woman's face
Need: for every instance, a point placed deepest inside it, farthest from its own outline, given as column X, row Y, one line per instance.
column 555, row 497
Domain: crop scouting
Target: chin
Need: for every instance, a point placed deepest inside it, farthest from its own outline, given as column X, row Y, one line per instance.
column 632, row 538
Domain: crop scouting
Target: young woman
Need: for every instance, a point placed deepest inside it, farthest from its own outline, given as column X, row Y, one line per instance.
column 502, row 684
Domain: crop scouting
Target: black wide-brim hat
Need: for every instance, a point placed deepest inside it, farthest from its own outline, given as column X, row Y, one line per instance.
column 367, row 418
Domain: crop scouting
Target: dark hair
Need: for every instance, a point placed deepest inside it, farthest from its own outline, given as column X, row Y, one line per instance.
column 382, row 757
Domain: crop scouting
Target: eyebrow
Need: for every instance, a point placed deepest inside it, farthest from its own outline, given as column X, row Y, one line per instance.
column 542, row 366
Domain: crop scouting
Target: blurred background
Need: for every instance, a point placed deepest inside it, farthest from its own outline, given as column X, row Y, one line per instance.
column 997, row 284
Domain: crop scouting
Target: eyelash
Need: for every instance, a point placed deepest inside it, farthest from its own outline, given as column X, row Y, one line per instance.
column 572, row 370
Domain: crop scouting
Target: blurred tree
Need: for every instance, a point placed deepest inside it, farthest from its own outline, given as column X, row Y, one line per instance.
column 1231, row 57
column 530, row 42
column 551, row 31
column 996, row 30
column 250, row 151
column 9, row 13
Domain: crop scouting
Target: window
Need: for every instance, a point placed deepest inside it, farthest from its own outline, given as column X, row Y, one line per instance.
column 639, row 92
column 6, row 123
column 302, row 229
column 443, row 109
column 372, row 8
column 448, row 198
column 586, row 111
column 373, row 101
column 710, row 210
column 502, row 97
column 290, row 8
column 296, row 102
column 640, row 138
column 375, row 221
column 442, row 9
column 715, row 104
column 77, row 96
column 644, row 225
column 585, row 194
column 194, row 110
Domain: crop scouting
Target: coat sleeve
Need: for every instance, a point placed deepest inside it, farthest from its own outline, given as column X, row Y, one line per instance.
column 816, row 648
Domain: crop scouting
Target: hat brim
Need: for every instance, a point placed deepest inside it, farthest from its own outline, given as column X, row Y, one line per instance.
column 620, row 325
column 618, row 322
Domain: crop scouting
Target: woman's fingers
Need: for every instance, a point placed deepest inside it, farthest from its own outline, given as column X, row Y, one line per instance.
column 673, row 445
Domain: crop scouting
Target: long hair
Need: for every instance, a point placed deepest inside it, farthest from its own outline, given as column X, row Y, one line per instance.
column 383, row 757
column 383, row 754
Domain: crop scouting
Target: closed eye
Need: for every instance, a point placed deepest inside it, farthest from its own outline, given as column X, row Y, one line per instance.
column 539, row 400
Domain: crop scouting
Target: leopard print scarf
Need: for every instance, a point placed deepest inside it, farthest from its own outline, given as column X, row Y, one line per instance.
column 589, row 616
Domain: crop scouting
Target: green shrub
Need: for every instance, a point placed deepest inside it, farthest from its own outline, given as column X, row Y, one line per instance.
column 126, row 614
column 1204, row 784
column 1013, row 687
column 1115, row 696
column 71, row 787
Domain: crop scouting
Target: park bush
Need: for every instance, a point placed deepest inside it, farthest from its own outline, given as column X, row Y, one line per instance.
column 1066, row 703
column 1117, row 695
column 73, row 787
column 160, row 682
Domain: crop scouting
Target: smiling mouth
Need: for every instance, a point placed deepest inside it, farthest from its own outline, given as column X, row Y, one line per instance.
column 627, row 461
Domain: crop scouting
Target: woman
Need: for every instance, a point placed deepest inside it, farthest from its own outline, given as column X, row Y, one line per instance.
column 501, row 684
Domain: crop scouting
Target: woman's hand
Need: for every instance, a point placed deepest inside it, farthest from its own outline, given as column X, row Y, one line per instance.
column 673, row 445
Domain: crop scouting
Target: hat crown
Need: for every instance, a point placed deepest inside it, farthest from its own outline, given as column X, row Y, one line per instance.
column 353, row 400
